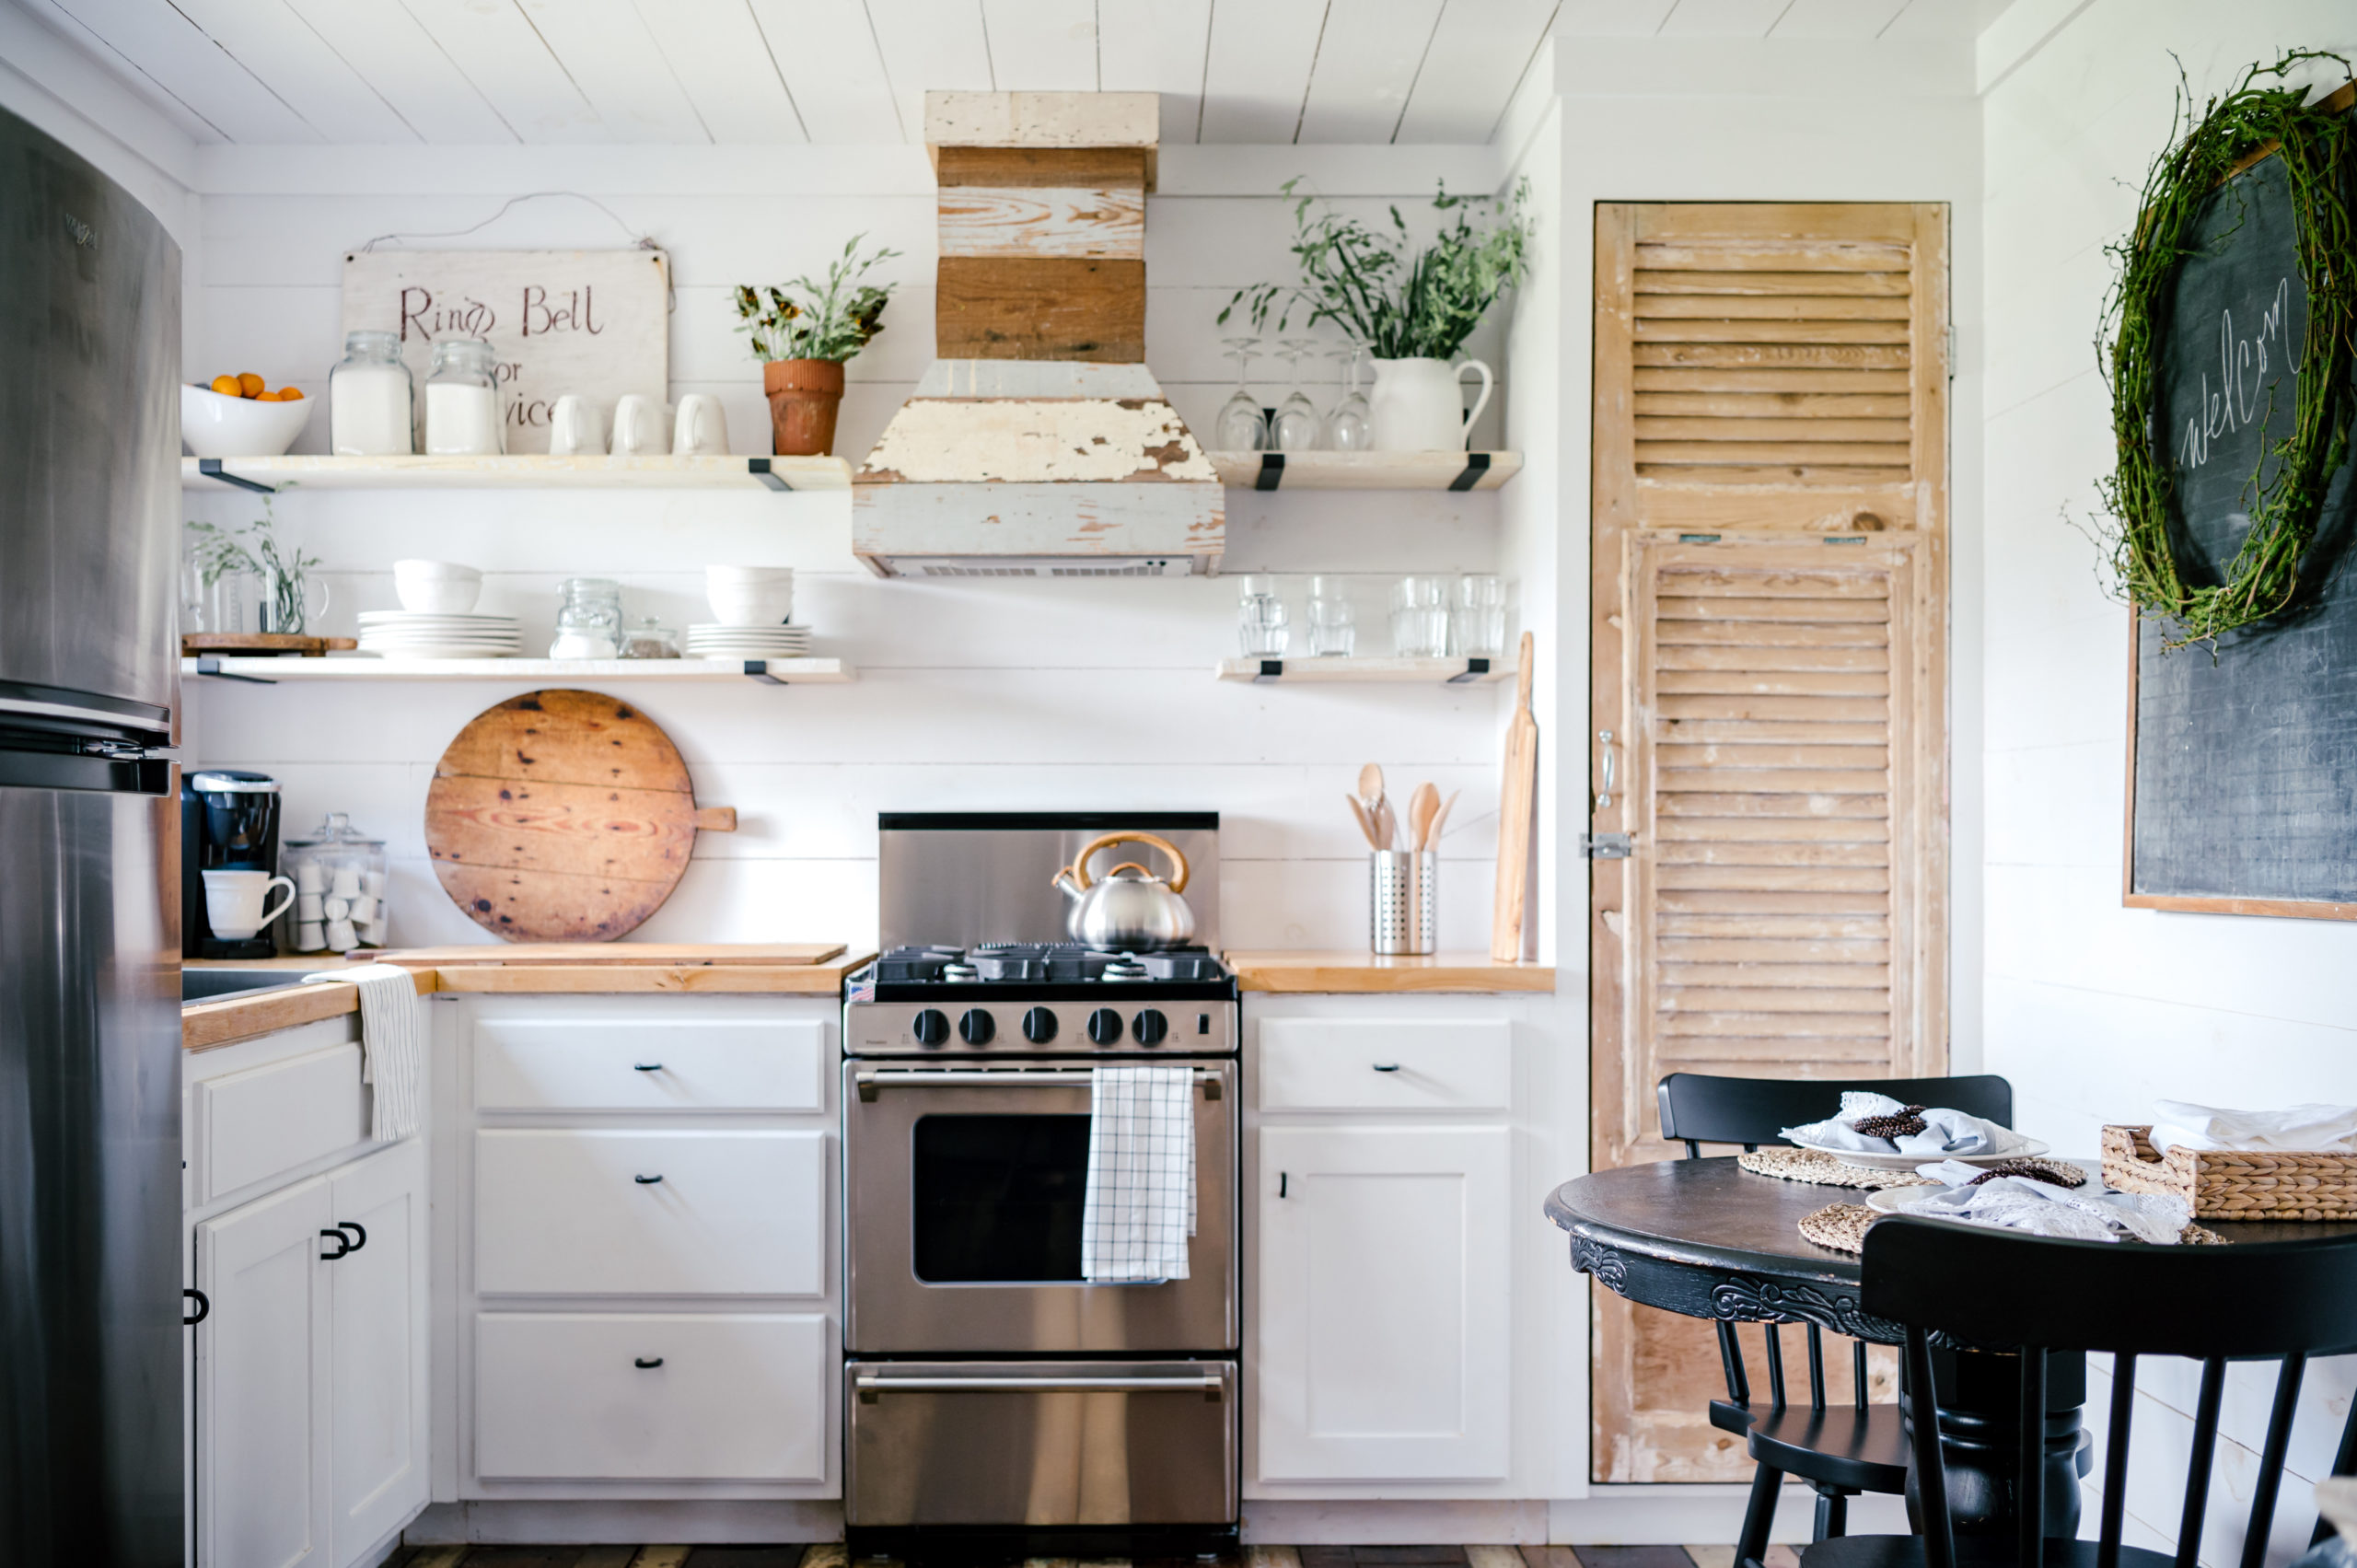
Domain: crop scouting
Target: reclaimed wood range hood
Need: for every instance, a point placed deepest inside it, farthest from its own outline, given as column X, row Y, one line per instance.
column 1039, row 444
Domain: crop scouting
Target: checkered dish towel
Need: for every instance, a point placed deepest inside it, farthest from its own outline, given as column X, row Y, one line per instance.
column 1140, row 1202
column 392, row 1046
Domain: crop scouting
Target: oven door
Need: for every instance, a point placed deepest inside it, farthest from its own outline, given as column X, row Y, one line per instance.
column 965, row 1188
column 1043, row 1445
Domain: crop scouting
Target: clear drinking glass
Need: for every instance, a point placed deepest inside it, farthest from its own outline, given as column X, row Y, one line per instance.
column 1419, row 618
column 1261, row 619
column 1241, row 427
column 1349, row 428
column 589, row 620
column 1332, row 628
column 1297, row 426
column 1479, row 620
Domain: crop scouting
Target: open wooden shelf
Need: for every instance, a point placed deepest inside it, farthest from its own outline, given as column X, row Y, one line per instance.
column 523, row 472
column 1392, row 672
column 1365, row 470
column 775, row 672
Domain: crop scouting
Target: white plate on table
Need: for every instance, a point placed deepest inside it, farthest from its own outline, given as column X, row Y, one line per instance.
column 2030, row 1149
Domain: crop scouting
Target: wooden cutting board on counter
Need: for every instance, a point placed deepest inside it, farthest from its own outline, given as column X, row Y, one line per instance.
column 563, row 817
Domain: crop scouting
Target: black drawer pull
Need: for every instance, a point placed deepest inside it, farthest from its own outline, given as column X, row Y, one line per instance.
column 647, row 1362
column 343, row 1245
column 647, row 1181
column 359, row 1234
column 204, row 1307
column 1386, row 1067
column 646, row 1067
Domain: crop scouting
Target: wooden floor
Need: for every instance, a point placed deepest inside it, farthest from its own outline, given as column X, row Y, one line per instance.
column 832, row 1556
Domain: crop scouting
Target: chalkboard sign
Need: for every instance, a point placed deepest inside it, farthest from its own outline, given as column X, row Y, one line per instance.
column 2242, row 789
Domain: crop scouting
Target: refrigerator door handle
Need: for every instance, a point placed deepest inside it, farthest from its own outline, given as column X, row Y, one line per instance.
column 203, row 1309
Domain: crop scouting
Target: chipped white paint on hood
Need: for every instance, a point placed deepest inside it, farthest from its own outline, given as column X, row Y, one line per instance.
column 1037, row 441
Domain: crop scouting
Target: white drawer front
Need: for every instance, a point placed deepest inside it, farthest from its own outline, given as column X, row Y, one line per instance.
column 1388, row 1065
column 740, row 1397
column 266, row 1120
column 645, row 1063
column 733, row 1214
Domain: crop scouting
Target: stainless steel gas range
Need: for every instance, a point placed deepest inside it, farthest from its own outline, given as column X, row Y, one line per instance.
column 996, row 1400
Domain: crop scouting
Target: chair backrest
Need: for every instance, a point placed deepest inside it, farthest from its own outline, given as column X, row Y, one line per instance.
column 1697, row 1108
column 2283, row 1301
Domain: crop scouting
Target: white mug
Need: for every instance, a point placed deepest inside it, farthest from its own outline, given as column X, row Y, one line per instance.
column 701, row 430
column 641, row 423
column 576, row 425
column 233, row 902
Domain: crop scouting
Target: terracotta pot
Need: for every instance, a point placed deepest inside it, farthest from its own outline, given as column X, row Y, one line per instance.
column 804, row 395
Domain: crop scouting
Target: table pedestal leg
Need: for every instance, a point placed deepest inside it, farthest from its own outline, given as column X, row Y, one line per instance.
column 1980, row 1412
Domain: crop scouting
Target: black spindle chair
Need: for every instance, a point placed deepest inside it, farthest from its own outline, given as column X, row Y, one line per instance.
column 1837, row 1452
column 2275, row 1301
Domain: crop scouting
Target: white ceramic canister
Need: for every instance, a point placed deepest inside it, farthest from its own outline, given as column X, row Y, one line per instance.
column 1419, row 404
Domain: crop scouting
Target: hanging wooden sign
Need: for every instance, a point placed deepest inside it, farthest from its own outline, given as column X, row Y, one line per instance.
column 592, row 322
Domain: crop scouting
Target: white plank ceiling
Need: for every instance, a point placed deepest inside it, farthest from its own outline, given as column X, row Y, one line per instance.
column 477, row 72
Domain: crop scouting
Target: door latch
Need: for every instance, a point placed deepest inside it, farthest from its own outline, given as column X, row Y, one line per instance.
column 1606, row 846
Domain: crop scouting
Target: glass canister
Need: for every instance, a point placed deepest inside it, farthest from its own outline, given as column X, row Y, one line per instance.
column 589, row 620
column 338, row 875
column 371, row 399
column 462, row 400
column 649, row 638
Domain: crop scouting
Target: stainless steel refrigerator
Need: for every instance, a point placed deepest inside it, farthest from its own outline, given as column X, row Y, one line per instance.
column 90, row 1280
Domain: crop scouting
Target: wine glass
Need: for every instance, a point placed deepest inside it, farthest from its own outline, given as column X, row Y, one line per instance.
column 1297, row 421
column 1241, row 427
column 1350, row 428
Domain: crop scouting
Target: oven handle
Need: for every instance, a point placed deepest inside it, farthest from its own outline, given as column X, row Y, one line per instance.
column 872, row 1079
column 1210, row 1384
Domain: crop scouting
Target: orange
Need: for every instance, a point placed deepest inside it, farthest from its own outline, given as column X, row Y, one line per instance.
column 290, row 394
column 252, row 383
column 266, row 397
column 228, row 386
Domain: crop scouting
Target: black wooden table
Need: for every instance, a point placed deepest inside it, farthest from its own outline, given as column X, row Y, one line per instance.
column 1709, row 1240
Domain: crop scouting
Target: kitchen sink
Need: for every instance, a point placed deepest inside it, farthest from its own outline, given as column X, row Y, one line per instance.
column 210, row 985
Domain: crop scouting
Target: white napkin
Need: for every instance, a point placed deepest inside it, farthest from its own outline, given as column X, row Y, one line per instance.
column 2039, row 1208
column 392, row 1045
column 2177, row 1124
column 1944, row 1131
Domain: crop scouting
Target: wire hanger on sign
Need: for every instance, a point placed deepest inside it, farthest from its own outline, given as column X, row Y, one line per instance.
column 639, row 242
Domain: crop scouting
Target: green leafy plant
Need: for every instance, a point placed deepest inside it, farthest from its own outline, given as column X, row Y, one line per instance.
column 2287, row 489
column 809, row 320
column 1401, row 303
column 217, row 551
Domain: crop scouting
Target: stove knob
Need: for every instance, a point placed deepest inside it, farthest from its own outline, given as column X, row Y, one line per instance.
column 1150, row 1026
column 976, row 1028
column 932, row 1026
column 1105, row 1026
column 1039, row 1026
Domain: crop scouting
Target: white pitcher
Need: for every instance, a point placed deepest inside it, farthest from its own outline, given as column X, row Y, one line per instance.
column 1419, row 404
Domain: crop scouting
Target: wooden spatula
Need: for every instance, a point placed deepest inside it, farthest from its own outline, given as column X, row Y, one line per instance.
column 1423, row 809
column 1516, row 795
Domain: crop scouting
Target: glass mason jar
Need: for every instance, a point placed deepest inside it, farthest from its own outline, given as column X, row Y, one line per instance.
column 589, row 620
column 339, row 876
column 649, row 638
column 371, row 399
column 462, row 400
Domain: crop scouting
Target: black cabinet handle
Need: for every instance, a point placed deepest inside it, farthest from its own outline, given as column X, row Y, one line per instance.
column 1280, row 1184
column 647, row 1181
column 203, row 1309
column 646, row 1067
column 343, row 1246
column 647, row 1362
column 1386, row 1067
column 359, row 1234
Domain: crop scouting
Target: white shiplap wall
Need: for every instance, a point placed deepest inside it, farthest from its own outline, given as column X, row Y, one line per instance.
column 2094, row 1010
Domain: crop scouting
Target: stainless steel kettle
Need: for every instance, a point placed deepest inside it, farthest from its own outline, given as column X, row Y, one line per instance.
column 1131, row 909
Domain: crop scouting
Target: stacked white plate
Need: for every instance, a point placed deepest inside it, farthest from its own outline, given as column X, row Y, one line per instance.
column 402, row 633
column 710, row 640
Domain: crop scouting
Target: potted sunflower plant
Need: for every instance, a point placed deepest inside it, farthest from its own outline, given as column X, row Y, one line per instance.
column 802, row 333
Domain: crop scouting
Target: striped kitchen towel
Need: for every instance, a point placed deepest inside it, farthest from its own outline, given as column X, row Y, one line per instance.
column 392, row 1046
column 1140, row 1208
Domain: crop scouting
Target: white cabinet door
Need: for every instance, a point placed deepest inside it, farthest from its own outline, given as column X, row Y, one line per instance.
column 1383, row 1318
column 378, row 1305
column 261, row 1388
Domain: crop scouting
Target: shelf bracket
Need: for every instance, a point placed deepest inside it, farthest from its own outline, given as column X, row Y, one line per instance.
column 759, row 669
column 1474, row 669
column 759, row 468
column 210, row 468
column 212, row 667
column 1476, row 465
column 1272, row 469
column 1270, row 669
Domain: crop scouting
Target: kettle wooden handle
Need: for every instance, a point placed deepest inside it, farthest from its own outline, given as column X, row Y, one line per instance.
column 1080, row 861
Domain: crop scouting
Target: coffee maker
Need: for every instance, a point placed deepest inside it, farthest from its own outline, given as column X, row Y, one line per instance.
column 228, row 818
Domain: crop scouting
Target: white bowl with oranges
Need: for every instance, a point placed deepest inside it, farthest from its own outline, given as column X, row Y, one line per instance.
column 238, row 416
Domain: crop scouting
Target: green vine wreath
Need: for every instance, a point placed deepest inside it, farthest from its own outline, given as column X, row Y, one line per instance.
column 2321, row 160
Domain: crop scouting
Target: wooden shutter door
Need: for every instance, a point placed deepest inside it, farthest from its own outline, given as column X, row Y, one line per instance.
column 1769, row 623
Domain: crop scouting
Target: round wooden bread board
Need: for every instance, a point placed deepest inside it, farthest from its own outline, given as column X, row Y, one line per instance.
column 563, row 817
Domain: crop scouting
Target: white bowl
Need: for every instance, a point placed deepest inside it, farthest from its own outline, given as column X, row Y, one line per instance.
column 718, row 574
column 218, row 427
column 750, row 608
column 437, row 588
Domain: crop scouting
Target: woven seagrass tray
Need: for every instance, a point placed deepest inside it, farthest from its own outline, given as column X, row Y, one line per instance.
column 2235, row 1184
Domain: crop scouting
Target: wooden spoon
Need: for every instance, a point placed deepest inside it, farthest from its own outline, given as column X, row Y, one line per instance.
column 1365, row 822
column 1423, row 806
column 1441, row 817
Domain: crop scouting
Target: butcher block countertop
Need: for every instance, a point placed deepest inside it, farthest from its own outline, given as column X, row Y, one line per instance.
column 1364, row 973
column 538, row 968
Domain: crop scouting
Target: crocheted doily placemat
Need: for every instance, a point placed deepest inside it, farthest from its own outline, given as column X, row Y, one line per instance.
column 1822, row 1169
